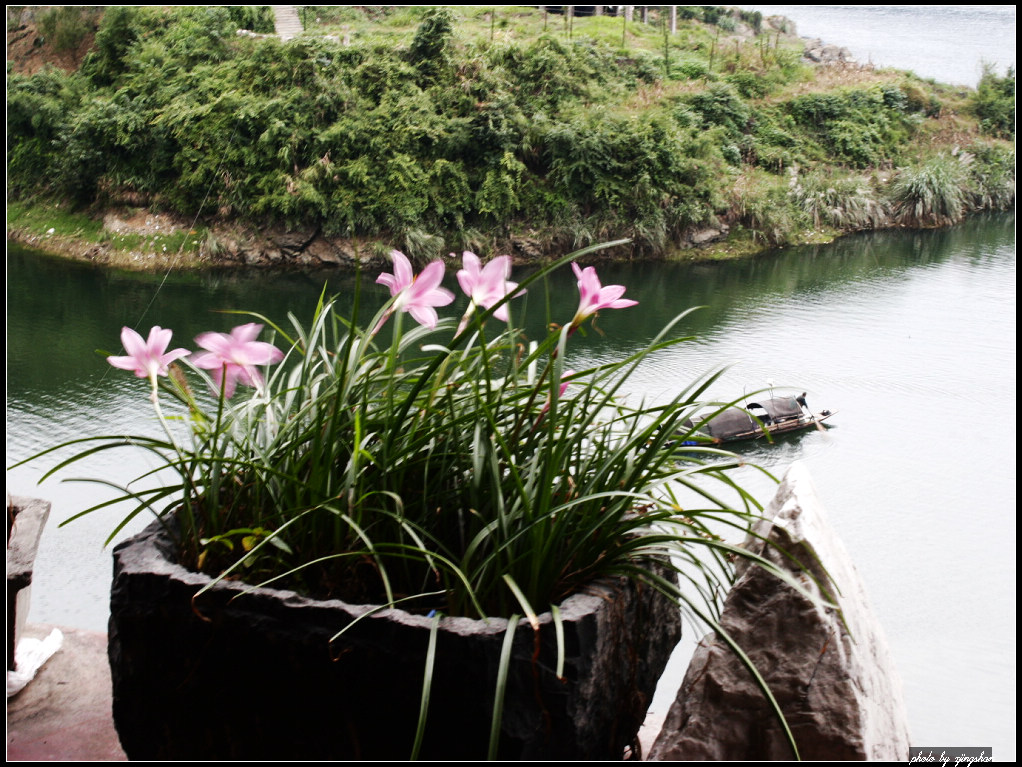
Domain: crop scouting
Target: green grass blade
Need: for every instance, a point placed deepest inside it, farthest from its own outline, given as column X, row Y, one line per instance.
column 498, row 697
column 427, row 684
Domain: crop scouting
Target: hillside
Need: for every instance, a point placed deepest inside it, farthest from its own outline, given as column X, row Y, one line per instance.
column 506, row 129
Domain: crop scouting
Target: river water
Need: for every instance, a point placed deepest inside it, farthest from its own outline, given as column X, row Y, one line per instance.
column 949, row 43
column 909, row 336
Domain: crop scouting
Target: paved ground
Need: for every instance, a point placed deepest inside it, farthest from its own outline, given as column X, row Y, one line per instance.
column 64, row 714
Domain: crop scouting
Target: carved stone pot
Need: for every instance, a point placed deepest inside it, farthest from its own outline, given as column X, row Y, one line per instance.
column 257, row 677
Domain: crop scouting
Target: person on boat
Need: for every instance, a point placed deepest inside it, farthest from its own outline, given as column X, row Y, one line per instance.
column 801, row 400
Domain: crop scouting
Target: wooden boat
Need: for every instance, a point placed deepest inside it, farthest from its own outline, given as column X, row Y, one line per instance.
column 774, row 416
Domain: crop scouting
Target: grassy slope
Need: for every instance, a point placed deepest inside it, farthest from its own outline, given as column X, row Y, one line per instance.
column 701, row 56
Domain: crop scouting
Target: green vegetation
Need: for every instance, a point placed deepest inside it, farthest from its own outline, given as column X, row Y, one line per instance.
column 53, row 225
column 480, row 124
column 67, row 26
column 995, row 103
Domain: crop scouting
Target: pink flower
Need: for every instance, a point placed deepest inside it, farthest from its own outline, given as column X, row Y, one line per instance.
column 564, row 382
column 560, row 389
column 233, row 357
column 593, row 296
column 487, row 285
column 147, row 358
column 416, row 295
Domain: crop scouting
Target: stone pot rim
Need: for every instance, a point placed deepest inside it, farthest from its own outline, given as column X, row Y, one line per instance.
column 153, row 550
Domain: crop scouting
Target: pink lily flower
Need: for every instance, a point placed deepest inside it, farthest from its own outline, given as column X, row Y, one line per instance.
column 593, row 296
column 416, row 295
column 486, row 285
column 234, row 357
column 148, row 358
column 560, row 389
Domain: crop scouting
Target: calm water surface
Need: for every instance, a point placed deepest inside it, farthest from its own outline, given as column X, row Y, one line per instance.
column 909, row 336
column 949, row 43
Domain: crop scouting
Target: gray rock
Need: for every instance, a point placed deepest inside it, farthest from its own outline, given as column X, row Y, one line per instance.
column 819, row 53
column 834, row 679
column 289, row 243
column 332, row 250
column 527, row 249
column 704, row 236
column 26, row 518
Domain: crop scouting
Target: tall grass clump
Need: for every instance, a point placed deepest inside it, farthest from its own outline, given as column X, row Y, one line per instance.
column 763, row 208
column 932, row 193
column 844, row 202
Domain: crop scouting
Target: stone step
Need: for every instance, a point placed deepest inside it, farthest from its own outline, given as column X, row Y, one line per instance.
column 287, row 23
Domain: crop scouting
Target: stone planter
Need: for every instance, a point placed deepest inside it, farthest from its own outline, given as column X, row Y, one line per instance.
column 26, row 518
column 258, row 679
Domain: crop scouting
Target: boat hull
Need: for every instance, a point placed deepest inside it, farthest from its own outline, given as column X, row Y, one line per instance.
column 817, row 420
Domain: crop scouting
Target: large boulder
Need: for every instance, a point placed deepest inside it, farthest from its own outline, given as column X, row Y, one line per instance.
column 831, row 672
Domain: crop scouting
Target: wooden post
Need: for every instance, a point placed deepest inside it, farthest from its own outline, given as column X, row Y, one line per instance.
column 667, row 54
column 674, row 19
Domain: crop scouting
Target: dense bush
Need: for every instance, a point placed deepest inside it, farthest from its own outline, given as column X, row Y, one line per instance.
column 991, row 182
column 721, row 105
column 858, row 127
column 67, row 26
column 37, row 108
column 995, row 103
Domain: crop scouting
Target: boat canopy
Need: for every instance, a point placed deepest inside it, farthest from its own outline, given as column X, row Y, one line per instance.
column 729, row 423
column 778, row 408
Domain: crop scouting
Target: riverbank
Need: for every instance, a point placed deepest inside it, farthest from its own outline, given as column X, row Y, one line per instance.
column 138, row 240
column 429, row 131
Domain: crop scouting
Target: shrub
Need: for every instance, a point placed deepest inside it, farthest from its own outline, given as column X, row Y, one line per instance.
column 767, row 215
column 991, row 183
column 994, row 103
column 67, row 26
column 721, row 105
column 430, row 51
column 255, row 18
column 38, row 108
column 120, row 28
column 860, row 127
column 749, row 84
column 754, row 19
